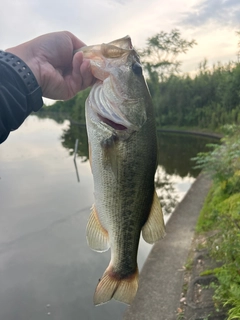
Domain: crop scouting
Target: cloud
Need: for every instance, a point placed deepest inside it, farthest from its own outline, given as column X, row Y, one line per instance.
column 121, row 1
column 224, row 12
column 96, row 21
column 92, row 21
column 23, row 20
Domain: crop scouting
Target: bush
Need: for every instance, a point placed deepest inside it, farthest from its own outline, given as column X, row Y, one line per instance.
column 223, row 162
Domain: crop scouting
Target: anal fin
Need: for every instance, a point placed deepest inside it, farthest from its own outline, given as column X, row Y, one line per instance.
column 97, row 236
column 154, row 229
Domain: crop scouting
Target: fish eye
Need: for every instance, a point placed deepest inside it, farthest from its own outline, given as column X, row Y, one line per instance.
column 137, row 68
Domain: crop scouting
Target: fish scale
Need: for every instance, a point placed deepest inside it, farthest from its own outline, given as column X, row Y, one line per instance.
column 123, row 156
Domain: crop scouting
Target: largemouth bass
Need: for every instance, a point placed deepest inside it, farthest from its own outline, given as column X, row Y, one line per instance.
column 123, row 157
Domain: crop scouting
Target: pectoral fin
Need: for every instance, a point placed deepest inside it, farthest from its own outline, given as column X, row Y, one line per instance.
column 97, row 236
column 110, row 154
column 154, row 229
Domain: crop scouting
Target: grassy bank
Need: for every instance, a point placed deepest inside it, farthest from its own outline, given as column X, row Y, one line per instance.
column 221, row 214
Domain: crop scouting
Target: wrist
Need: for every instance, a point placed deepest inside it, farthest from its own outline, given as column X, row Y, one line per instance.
column 32, row 89
column 27, row 57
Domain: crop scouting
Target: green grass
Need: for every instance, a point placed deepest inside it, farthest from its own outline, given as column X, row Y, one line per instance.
column 221, row 213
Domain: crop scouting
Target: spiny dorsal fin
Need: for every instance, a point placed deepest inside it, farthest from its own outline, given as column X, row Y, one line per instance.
column 154, row 228
column 97, row 236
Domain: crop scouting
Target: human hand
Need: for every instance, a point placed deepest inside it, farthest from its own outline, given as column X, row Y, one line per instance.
column 59, row 73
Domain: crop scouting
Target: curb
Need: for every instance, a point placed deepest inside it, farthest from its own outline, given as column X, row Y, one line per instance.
column 161, row 278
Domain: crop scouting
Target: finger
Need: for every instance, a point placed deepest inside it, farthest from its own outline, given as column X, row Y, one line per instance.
column 76, row 74
column 82, row 73
column 86, row 72
column 77, row 61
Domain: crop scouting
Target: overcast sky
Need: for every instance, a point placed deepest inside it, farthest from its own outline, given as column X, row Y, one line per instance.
column 212, row 23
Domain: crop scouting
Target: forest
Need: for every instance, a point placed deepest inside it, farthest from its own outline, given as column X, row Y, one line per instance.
column 207, row 100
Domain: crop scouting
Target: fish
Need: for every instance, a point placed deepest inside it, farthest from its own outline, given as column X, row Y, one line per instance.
column 123, row 157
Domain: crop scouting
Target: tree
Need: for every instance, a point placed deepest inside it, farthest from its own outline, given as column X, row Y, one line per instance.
column 160, row 54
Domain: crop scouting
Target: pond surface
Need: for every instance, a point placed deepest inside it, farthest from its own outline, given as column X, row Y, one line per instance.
column 47, row 271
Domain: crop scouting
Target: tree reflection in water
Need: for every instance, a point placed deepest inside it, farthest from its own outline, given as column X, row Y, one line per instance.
column 69, row 137
column 167, row 194
column 175, row 152
column 174, row 158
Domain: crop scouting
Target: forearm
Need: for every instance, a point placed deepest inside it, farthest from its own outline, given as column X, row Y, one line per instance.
column 18, row 96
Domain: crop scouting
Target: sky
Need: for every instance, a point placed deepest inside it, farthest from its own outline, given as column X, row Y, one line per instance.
column 212, row 23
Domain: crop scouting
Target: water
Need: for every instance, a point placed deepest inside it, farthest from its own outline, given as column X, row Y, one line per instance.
column 47, row 271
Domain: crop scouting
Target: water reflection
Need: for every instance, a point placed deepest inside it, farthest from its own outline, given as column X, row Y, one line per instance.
column 167, row 194
column 176, row 151
column 58, row 117
column 174, row 161
column 68, row 139
column 47, row 270
column 70, row 134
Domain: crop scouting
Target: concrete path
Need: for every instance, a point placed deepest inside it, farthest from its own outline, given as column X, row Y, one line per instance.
column 161, row 278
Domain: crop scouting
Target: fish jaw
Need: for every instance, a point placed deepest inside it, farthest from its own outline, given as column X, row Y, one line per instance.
column 102, row 110
column 118, row 92
column 106, row 108
column 99, row 55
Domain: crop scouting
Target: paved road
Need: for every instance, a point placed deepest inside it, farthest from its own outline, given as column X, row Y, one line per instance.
column 161, row 278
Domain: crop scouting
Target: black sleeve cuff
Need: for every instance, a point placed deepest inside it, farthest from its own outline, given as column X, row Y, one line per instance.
column 20, row 93
column 33, row 91
column 21, row 68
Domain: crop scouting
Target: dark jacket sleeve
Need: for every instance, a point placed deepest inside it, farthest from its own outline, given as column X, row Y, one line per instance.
column 15, row 102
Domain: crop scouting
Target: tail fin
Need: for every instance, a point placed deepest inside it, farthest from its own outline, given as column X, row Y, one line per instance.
column 110, row 286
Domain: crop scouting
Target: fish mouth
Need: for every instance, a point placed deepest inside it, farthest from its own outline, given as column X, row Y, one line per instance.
column 97, row 54
column 108, row 98
column 114, row 125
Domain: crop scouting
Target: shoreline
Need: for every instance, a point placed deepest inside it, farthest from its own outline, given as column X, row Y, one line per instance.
column 180, row 131
column 193, row 132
